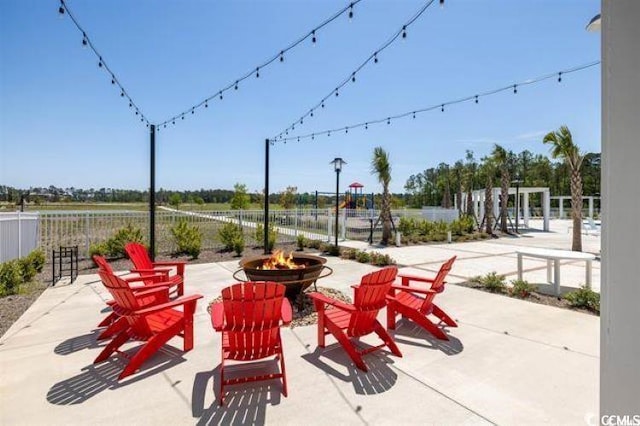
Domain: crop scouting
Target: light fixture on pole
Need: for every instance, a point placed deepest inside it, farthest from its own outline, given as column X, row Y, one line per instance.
column 337, row 165
column 517, row 182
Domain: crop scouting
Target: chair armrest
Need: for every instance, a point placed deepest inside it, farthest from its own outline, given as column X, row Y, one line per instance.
column 180, row 301
column 413, row 289
column 286, row 311
column 164, row 271
column 332, row 302
column 217, row 316
column 152, row 297
column 408, row 278
column 138, row 278
column 178, row 264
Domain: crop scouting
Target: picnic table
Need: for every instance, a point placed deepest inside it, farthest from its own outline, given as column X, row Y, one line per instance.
column 554, row 257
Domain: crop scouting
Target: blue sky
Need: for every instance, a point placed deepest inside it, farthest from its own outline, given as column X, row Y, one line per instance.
column 63, row 123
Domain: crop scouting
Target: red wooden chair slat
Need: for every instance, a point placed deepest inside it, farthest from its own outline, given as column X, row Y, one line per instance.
column 153, row 323
column 416, row 303
column 249, row 317
column 346, row 321
column 142, row 264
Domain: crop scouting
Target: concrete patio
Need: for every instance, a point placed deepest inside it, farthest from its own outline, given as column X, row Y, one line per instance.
column 508, row 362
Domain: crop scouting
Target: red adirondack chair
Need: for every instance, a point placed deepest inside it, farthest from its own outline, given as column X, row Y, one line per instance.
column 143, row 265
column 154, row 324
column 405, row 300
column 113, row 321
column 249, row 318
column 347, row 321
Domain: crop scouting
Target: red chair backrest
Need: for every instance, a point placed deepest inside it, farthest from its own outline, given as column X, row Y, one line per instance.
column 252, row 316
column 438, row 282
column 138, row 255
column 369, row 298
column 102, row 263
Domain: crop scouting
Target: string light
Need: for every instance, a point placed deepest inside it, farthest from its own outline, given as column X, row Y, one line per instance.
column 63, row 9
column 353, row 77
column 559, row 76
column 279, row 55
column 475, row 98
column 400, row 33
column 515, row 89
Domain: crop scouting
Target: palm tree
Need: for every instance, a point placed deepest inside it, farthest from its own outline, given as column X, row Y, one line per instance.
column 501, row 158
column 381, row 167
column 564, row 148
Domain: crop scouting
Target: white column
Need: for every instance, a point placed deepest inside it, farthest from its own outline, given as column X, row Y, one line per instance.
column 561, row 206
column 480, row 206
column 525, row 207
column 546, row 209
column 620, row 316
column 496, row 202
column 591, row 207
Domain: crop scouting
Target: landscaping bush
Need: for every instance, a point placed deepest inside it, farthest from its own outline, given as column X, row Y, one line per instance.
column 300, row 241
column 238, row 244
column 521, row 289
column 380, row 259
column 584, row 298
column 314, row 244
column 188, row 238
column 363, row 257
column 228, row 234
column 331, row 250
column 408, row 226
column 99, row 248
column 349, row 253
column 37, row 259
column 462, row 226
column 114, row 246
column 493, row 282
column 10, row 278
column 259, row 236
column 27, row 269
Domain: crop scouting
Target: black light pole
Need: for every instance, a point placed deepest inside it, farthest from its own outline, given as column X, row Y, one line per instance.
column 337, row 165
column 517, row 181
column 266, row 196
column 152, row 193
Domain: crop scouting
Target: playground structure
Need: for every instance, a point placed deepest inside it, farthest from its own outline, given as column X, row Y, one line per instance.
column 353, row 199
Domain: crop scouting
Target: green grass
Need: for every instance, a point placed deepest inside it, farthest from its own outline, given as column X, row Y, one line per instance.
column 32, row 207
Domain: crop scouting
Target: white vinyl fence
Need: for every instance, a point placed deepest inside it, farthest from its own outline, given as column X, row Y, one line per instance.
column 19, row 235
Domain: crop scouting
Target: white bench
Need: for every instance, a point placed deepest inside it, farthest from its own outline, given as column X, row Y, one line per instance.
column 555, row 256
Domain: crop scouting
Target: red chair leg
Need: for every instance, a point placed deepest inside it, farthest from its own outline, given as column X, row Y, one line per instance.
column 386, row 338
column 108, row 319
column 116, row 327
column 347, row 345
column 321, row 323
column 113, row 346
column 391, row 316
column 150, row 347
column 443, row 316
column 425, row 323
column 284, row 374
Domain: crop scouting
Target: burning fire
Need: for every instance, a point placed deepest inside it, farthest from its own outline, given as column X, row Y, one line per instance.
column 278, row 260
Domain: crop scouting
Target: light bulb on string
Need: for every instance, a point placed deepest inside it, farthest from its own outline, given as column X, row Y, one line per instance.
column 388, row 120
column 84, row 40
column 404, row 32
column 130, row 104
column 258, row 72
column 122, row 94
column 220, row 95
column 350, row 12
column 329, row 133
column 414, row 114
column 313, row 37
column 346, row 130
column 353, row 77
column 236, row 85
column 298, row 138
column 560, row 77
column 366, row 126
column 281, row 56
column 192, row 111
column 100, row 62
column 61, row 10
column 337, row 94
column 515, row 89
column 113, row 79
column 375, row 57
column 136, row 112
column 441, row 4
column 301, row 121
column 476, row 98
column 182, row 116
column 311, row 113
column 174, row 122
column 313, row 136
column 206, row 104
column 322, row 104
column 442, row 108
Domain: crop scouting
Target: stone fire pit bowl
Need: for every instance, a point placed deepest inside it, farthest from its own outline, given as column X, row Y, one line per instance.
column 296, row 280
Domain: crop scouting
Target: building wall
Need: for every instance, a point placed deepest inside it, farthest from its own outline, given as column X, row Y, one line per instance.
column 620, row 308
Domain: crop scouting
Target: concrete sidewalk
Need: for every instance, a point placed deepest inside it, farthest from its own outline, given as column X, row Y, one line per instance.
column 508, row 362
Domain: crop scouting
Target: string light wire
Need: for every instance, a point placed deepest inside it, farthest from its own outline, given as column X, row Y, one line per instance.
column 351, row 77
column 440, row 105
column 86, row 42
column 277, row 57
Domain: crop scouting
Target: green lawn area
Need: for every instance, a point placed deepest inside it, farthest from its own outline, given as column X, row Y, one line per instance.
column 32, row 207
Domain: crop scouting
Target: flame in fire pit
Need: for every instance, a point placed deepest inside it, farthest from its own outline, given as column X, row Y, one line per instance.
column 278, row 260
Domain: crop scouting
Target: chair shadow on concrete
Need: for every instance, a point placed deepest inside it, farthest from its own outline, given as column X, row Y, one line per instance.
column 78, row 343
column 380, row 377
column 244, row 404
column 97, row 378
column 408, row 333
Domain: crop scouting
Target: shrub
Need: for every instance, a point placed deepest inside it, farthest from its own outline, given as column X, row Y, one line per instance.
column 10, row 277
column 259, row 236
column 301, row 240
column 380, row 259
column 349, row 253
column 521, row 289
column 188, row 238
column 363, row 257
column 331, row 250
column 259, row 233
column 228, row 234
column 238, row 244
column 585, row 298
column 114, row 246
column 407, row 226
column 99, row 248
column 493, row 282
column 462, row 226
column 27, row 269
column 37, row 259
column 314, row 244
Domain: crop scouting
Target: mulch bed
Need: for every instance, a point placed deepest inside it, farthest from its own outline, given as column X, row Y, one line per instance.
column 540, row 298
column 307, row 315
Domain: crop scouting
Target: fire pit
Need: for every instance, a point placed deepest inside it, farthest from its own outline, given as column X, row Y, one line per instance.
column 297, row 271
